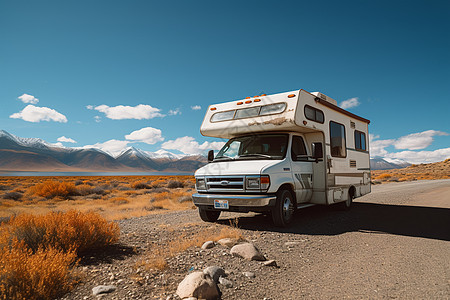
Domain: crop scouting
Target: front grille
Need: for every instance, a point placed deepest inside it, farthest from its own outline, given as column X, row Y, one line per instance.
column 225, row 183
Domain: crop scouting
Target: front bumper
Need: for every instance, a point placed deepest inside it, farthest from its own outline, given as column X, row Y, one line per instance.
column 246, row 202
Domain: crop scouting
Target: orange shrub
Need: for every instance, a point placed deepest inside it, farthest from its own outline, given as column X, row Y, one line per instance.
column 69, row 231
column 51, row 189
column 45, row 274
column 384, row 176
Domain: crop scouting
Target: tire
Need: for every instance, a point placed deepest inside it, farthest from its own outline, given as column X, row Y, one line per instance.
column 283, row 211
column 347, row 204
column 208, row 215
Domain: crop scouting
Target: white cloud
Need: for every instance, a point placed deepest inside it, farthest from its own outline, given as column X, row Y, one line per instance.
column 418, row 157
column 60, row 145
column 417, row 141
column 98, row 119
column 174, row 112
column 196, row 107
column 25, row 98
column 377, row 146
column 349, row 103
column 148, row 135
column 90, row 107
column 33, row 113
column 113, row 147
column 66, row 140
column 122, row 112
column 189, row 145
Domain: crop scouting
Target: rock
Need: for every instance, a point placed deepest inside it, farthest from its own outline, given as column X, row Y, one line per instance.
column 247, row 251
column 249, row 274
column 270, row 263
column 208, row 245
column 214, row 272
column 291, row 244
column 225, row 282
column 103, row 289
column 227, row 242
column 198, row 285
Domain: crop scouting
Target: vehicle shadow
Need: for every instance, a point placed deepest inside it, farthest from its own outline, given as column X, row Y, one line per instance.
column 414, row 221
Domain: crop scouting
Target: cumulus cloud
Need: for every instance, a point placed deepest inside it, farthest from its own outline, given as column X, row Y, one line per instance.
column 66, row 140
column 122, row 112
column 97, row 119
column 377, row 147
column 349, row 103
column 418, row 157
column 113, row 147
column 25, row 98
column 174, row 112
column 196, row 107
column 148, row 135
column 91, row 107
column 33, row 113
column 188, row 145
column 417, row 141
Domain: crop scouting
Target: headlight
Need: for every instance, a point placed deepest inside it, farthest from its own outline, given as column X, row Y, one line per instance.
column 200, row 184
column 257, row 182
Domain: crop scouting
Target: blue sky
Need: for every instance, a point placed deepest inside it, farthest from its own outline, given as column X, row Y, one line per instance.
column 91, row 62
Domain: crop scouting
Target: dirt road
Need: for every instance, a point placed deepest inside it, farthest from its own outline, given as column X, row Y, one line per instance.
column 394, row 243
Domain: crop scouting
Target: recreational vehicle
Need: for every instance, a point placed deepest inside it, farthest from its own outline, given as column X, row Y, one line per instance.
column 284, row 152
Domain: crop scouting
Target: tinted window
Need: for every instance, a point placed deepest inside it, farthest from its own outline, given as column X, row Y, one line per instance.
column 314, row 114
column 247, row 112
column 337, row 140
column 272, row 109
column 223, row 116
column 298, row 148
column 360, row 140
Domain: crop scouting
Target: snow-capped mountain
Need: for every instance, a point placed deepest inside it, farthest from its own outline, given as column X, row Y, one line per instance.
column 35, row 154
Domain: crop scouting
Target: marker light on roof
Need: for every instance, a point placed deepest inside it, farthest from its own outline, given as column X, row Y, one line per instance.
column 257, row 100
column 248, row 101
column 213, row 108
column 247, row 97
column 240, row 103
column 263, row 95
column 291, row 95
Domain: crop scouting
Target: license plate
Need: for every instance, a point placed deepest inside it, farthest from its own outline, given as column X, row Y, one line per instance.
column 221, row 204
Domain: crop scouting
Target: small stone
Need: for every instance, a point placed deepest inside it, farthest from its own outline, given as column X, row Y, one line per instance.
column 208, row 245
column 103, row 289
column 225, row 282
column 214, row 272
column 249, row 274
column 270, row 263
column 247, row 251
column 290, row 244
column 227, row 242
column 199, row 285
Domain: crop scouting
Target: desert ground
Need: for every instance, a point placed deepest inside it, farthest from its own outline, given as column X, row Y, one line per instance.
column 394, row 243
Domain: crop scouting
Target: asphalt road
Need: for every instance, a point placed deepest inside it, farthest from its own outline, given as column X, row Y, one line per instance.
column 394, row 243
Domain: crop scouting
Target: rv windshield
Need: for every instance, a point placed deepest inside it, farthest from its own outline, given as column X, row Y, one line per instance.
column 262, row 146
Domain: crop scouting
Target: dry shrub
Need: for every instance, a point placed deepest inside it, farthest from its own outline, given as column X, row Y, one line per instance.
column 12, row 196
column 158, row 183
column 141, row 184
column 173, row 184
column 44, row 274
column 69, row 231
column 384, row 176
column 84, row 189
column 120, row 200
column 52, row 189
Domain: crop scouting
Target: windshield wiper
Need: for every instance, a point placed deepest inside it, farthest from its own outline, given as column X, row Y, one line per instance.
column 223, row 157
column 257, row 155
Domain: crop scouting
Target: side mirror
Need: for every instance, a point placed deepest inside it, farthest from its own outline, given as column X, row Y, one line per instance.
column 210, row 155
column 317, row 151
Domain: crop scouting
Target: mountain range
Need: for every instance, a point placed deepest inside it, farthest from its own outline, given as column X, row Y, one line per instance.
column 33, row 154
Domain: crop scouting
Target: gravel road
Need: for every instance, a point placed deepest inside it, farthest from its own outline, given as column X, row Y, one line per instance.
column 393, row 243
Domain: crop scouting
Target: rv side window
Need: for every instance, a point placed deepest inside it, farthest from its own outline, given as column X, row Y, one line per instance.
column 223, row 116
column 360, row 140
column 337, row 140
column 298, row 149
column 272, row 109
column 247, row 112
column 314, row 114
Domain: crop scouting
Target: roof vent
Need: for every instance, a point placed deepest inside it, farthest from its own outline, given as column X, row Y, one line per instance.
column 325, row 97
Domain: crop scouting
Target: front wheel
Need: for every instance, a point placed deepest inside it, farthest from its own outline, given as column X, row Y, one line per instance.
column 208, row 215
column 283, row 212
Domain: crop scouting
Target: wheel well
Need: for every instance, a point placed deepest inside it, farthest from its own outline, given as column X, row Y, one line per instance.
column 289, row 187
column 352, row 191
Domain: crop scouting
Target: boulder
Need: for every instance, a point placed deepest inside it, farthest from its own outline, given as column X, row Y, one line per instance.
column 103, row 289
column 198, row 285
column 214, row 272
column 247, row 251
column 225, row 282
column 227, row 242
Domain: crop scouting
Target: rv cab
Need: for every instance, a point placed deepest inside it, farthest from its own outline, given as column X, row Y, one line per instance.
column 284, row 151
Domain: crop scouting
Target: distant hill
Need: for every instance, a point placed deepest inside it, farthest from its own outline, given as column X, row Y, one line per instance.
column 32, row 154
column 379, row 163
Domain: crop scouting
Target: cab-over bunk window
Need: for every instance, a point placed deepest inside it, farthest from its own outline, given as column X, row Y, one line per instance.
column 337, row 140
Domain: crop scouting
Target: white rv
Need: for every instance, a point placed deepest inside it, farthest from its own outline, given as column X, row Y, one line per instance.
column 285, row 151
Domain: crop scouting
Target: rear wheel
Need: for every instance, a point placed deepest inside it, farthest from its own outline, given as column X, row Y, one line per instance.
column 347, row 204
column 208, row 215
column 283, row 212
